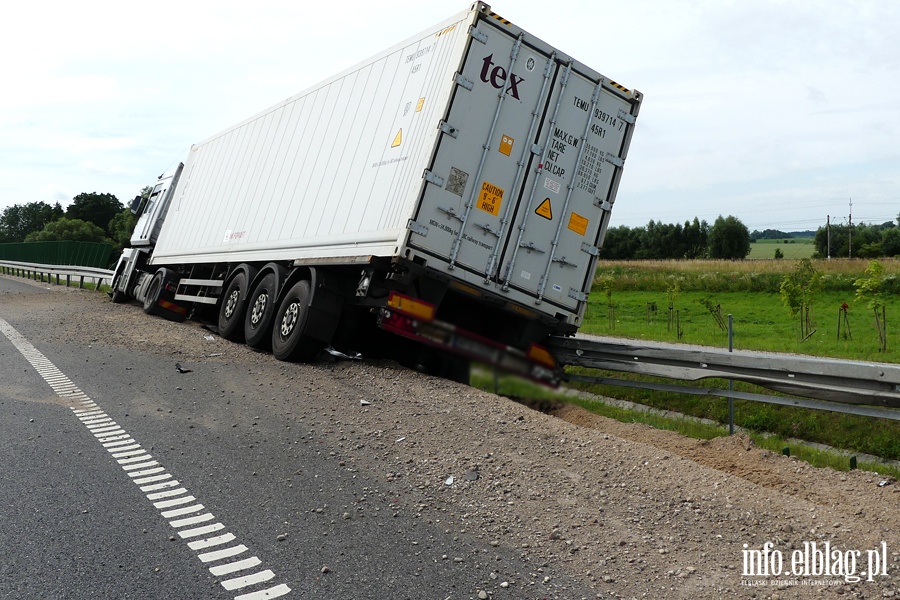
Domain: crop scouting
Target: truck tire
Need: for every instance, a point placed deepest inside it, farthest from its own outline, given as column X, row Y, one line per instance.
column 233, row 308
column 260, row 312
column 118, row 296
column 289, row 339
column 151, row 300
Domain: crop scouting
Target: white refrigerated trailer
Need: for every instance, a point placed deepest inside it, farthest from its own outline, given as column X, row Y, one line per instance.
column 454, row 189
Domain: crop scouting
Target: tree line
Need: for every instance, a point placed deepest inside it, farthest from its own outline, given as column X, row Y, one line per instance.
column 91, row 217
column 859, row 241
column 727, row 238
column 94, row 217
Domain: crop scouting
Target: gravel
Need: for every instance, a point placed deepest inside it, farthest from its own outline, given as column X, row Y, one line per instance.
column 625, row 509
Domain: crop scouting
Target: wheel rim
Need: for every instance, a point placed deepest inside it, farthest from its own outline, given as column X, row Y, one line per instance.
column 259, row 308
column 289, row 321
column 232, row 303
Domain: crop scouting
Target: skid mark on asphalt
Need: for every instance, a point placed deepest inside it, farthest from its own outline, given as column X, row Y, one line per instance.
column 214, row 545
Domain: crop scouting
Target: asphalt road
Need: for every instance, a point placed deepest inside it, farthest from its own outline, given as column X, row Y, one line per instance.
column 108, row 451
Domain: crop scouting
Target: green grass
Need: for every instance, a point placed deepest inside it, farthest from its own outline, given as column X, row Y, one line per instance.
column 540, row 397
column 793, row 248
column 879, row 437
column 760, row 321
column 748, row 290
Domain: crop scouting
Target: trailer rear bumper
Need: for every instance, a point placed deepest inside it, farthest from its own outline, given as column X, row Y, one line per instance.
column 413, row 319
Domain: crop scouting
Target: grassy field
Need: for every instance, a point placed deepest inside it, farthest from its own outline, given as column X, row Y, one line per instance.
column 760, row 321
column 646, row 305
column 640, row 294
column 791, row 249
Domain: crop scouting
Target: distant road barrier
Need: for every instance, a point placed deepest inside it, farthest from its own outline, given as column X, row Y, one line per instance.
column 84, row 260
column 76, row 254
column 36, row 272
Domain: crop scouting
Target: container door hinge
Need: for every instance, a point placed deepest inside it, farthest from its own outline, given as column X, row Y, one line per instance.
column 461, row 81
column 577, row 295
column 590, row 249
column 417, row 228
column 431, row 177
column 613, row 159
column 627, row 117
column 603, row 204
column 447, row 128
column 477, row 35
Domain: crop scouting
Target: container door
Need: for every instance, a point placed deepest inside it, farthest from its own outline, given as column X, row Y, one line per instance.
column 561, row 216
column 483, row 156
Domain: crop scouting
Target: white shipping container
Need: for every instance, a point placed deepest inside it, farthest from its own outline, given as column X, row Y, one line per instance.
column 473, row 149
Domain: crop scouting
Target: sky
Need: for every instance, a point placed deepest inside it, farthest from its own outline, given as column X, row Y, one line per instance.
column 780, row 113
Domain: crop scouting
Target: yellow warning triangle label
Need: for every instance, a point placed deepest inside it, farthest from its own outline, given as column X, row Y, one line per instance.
column 397, row 138
column 544, row 210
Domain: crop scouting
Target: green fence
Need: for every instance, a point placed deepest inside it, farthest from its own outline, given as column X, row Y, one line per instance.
column 79, row 254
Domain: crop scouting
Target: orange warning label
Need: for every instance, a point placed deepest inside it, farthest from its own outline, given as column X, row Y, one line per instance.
column 578, row 224
column 506, row 144
column 545, row 210
column 490, row 199
column 397, row 138
column 420, row 104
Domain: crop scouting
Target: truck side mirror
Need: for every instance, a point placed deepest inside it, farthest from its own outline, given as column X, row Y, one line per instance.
column 135, row 205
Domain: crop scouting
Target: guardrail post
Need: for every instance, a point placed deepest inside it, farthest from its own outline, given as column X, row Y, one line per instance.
column 68, row 279
column 730, row 381
column 81, row 282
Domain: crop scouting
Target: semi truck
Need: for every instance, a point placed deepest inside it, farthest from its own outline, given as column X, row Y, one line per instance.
column 441, row 202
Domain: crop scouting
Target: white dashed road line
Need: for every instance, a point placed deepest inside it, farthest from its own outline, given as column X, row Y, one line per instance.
column 191, row 522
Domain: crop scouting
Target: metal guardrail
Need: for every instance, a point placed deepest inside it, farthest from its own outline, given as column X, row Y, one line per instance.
column 37, row 271
column 864, row 388
column 855, row 387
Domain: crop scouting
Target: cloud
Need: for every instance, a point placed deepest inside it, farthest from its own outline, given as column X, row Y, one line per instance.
column 772, row 110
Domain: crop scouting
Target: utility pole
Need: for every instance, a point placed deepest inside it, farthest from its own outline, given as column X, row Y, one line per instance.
column 850, row 231
column 828, row 230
